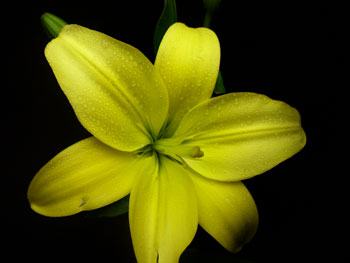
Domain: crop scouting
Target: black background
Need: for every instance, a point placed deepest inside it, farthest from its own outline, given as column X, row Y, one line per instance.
column 293, row 53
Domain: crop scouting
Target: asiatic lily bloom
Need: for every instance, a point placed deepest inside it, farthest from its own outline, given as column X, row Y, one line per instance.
column 160, row 137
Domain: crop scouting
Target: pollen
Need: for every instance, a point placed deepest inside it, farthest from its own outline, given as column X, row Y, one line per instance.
column 197, row 153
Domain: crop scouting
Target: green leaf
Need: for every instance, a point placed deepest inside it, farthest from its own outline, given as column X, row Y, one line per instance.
column 52, row 24
column 115, row 209
column 219, row 86
column 166, row 19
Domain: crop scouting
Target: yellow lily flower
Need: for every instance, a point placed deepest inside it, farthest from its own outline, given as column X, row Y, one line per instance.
column 158, row 136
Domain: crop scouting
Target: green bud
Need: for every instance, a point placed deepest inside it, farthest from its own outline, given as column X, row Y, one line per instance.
column 52, row 24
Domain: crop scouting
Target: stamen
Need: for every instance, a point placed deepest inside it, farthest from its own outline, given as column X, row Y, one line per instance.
column 179, row 150
column 146, row 150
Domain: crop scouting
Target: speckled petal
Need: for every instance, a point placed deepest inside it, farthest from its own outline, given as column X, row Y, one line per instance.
column 188, row 60
column 241, row 135
column 85, row 176
column 114, row 89
column 163, row 212
column 227, row 211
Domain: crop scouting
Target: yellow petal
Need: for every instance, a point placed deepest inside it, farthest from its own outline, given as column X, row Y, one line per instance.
column 227, row 211
column 188, row 60
column 163, row 212
column 241, row 135
column 85, row 176
column 114, row 89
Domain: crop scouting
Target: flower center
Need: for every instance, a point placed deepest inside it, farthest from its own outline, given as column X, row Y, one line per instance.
column 179, row 150
column 172, row 149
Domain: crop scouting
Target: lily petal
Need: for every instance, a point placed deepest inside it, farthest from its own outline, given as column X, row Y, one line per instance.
column 188, row 60
column 114, row 89
column 241, row 135
column 84, row 176
column 227, row 211
column 163, row 212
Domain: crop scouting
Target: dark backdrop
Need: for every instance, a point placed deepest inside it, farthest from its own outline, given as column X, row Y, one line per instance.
column 292, row 53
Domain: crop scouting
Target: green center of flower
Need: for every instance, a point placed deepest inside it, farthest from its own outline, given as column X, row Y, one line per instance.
column 172, row 149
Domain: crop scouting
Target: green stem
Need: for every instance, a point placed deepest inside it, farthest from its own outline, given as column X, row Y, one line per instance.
column 207, row 19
